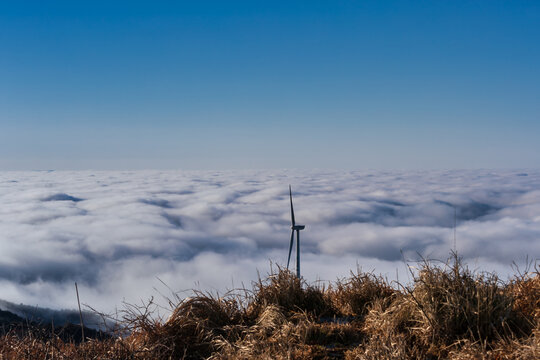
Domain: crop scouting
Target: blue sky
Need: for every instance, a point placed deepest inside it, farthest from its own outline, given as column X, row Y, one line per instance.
column 269, row 84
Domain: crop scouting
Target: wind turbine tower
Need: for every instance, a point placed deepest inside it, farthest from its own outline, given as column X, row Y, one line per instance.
column 297, row 228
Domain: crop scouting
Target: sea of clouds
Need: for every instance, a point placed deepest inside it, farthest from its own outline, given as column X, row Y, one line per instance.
column 123, row 235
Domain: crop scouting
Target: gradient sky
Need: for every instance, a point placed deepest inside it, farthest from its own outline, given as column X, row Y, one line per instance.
column 269, row 84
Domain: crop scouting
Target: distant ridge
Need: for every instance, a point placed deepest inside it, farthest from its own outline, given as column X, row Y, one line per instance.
column 47, row 316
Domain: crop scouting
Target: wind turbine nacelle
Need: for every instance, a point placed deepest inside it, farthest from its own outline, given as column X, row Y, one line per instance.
column 298, row 227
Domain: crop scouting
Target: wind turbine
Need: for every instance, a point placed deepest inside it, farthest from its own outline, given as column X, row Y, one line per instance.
column 297, row 228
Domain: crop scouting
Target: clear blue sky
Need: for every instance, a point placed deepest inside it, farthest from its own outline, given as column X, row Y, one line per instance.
column 269, row 84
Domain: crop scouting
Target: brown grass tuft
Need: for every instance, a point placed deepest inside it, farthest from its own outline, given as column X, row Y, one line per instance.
column 289, row 293
column 193, row 329
column 452, row 303
column 354, row 296
column 525, row 290
column 448, row 306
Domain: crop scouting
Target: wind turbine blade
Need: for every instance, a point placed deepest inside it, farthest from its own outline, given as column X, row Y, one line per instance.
column 290, row 249
column 292, row 210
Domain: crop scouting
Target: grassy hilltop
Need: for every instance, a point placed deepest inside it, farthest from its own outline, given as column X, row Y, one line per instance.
column 447, row 312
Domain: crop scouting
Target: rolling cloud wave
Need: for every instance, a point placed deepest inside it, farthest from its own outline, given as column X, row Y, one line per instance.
column 116, row 233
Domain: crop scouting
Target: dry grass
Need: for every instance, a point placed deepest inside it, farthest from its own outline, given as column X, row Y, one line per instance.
column 15, row 347
column 354, row 296
column 447, row 312
column 525, row 290
column 448, row 308
column 194, row 329
column 292, row 295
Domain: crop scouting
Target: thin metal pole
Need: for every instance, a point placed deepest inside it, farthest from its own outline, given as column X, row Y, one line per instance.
column 455, row 221
column 80, row 312
column 298, row 253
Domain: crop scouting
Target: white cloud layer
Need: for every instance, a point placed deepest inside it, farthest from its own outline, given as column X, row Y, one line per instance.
column 119, row 233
